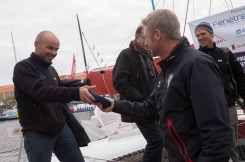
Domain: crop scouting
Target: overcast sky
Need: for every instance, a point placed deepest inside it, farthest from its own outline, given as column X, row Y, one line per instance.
column 108, row 25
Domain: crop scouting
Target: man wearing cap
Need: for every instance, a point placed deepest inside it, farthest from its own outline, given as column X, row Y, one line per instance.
column 230, row 68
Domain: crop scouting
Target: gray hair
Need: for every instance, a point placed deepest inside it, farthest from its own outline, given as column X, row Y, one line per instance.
column 164, row 20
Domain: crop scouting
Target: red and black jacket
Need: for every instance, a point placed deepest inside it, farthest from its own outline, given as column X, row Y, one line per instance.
column 190, row 102
column 132, row 78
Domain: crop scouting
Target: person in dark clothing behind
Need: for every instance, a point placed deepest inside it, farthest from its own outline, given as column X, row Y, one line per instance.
column 188, row 97
column 40, row 101
column 134, row 77
column 204, row 33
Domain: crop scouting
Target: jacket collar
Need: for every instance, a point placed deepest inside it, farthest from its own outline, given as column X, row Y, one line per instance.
column 174, row 53
column 206, row 50
column 137, row 48
column 39, row 61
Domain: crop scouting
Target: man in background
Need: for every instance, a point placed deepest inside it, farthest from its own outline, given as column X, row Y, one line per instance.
column 134, row 77
column 232, row 71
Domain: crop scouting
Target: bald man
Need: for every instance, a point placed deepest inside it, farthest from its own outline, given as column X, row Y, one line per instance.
column 40, row 101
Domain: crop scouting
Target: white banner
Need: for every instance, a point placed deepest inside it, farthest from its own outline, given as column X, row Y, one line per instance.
column 229, row 31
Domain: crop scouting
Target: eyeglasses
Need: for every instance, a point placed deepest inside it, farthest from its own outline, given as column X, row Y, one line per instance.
column 142, row 36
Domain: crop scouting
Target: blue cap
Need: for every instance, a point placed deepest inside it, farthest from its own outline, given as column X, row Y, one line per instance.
column 204, row 25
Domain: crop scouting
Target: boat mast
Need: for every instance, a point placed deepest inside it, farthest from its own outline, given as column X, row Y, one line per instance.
column 153, row 5
column 84, row 57
column 14, row 48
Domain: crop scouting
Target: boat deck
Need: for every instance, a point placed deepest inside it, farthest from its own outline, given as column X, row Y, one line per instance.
column 137, row 157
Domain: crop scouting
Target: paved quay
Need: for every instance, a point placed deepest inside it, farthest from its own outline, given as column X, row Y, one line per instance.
column 9, row 146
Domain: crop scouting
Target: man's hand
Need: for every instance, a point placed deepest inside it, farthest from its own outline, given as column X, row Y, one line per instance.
column 85, row 96
column 106, row 109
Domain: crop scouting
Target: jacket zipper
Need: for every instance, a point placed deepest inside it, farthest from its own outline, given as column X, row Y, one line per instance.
column 178, row 141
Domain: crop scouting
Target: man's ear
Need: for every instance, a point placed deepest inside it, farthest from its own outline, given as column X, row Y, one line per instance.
column 157, row 34
column 35, row 44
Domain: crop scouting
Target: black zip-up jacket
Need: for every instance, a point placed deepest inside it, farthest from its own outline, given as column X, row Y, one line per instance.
column 40, row 97
column 131, row 76
column 238, row 73
column 190, row 102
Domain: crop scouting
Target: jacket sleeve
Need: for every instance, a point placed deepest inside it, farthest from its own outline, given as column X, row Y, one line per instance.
column 73, row 83
column 238, row 74
column 27, row 80
column 142, row 110
column 211, row 110
column 121, row 78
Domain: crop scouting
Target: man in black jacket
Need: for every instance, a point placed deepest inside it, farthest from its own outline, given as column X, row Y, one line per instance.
column 134, row 77
column 232, row 71
column 188, row 97
column 40, row 101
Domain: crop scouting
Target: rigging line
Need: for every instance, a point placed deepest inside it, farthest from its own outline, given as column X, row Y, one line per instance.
column 227, row 5
column 120, row 46
column 18, row 55
column 186, row 16
column 157, row 3
column 14, row 48
column 209, row 10
column 163, row 3
column 20, row 148
column 231, row 4
column 90, row 50
column 212, row 5
column 194, row 14
column 105, row 84
column 173, row 5
column 81, row 37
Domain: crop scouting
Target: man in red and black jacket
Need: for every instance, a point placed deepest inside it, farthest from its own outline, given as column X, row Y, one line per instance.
column 188, row 97
column 134, row 77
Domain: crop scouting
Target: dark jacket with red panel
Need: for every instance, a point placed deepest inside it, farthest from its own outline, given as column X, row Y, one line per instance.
column 190, row 102
column 133, row 78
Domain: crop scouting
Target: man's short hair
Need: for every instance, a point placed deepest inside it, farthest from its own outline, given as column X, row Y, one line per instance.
column 205, row 26
column 164, row 20
column 139, row 30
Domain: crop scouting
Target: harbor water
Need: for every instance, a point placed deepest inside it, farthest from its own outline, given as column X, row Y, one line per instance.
column 10, row 143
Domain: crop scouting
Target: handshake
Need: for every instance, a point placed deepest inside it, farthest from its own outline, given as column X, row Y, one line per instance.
column 88, row 96
column 105, row 102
